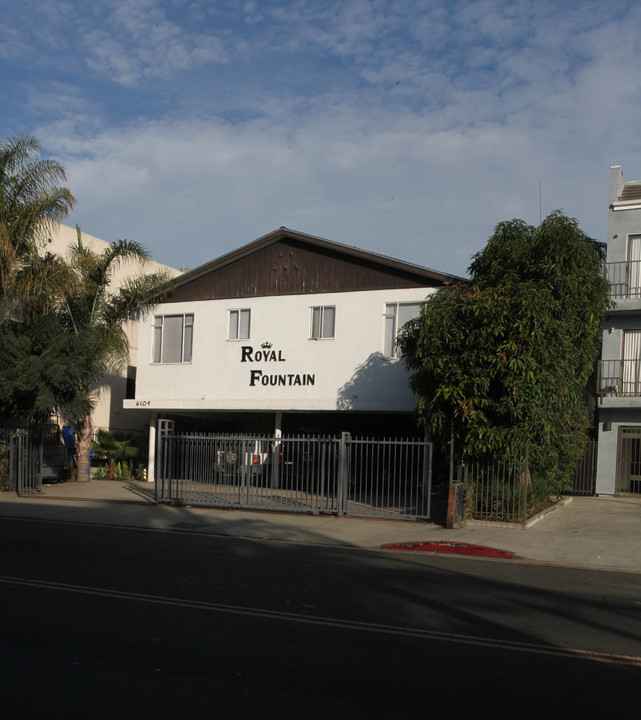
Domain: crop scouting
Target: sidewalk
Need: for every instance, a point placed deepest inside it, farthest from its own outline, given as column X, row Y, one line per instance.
column 598, row 532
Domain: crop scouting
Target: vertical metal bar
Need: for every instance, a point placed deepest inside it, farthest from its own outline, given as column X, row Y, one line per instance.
column 426, row 477
column 245, row 469
column 526, row 478
column 451, row 453
column 342, row 474
column 321, row 501
column 277, row 449
column 170, row 445
column 41, row 443
column 618, row 473
column 12, row 462
column 158, row 469
column 19, row 464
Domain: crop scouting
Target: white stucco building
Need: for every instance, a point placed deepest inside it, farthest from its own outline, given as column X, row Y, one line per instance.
column 113, row 389
column 619, row 377
column 290, row 333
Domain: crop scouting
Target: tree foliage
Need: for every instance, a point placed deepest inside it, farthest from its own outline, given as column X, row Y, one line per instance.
column 92, row 315
column 61, row 320
column 114, row 446
column 507, row 357
column 39, row 371
column 32, row 198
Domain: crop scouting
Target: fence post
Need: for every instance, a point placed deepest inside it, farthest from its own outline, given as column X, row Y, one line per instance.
column 41, row 452
column 16, row 454
column 343, row 474
column 525, row 482
column 245, row 460
column 165, row 429
column 427, row 473
column 466, row 489
column 278, row 445
column 451, row 452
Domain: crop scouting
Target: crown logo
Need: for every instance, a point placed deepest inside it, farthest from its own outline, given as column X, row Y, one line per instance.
column 266, row 345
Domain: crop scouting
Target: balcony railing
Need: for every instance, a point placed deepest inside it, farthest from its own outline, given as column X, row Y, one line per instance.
column 619, row 378
column 625, row 278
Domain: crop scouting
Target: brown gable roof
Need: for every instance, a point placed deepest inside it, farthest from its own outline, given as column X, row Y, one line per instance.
column 287, row 262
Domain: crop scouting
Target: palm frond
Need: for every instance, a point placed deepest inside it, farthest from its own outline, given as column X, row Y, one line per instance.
column 138, row 295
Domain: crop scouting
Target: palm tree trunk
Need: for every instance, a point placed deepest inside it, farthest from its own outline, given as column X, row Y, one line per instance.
column 83, row 448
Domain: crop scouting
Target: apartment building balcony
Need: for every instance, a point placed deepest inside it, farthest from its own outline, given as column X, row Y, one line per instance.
column 625, row 284
column 619, row 383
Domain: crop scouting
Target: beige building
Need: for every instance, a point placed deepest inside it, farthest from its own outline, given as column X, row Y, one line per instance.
column 109, row 413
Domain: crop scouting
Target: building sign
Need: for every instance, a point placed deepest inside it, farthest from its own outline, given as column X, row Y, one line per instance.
column 262, row 376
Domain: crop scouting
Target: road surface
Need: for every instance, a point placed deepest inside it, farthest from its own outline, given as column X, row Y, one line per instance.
column 104, row 622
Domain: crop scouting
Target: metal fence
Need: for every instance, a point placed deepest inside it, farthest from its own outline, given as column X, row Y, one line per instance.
column 628, row 466
column 497, row 490
column 22, row 458
column 311, row 474
column 584, row 477
column 502, row 489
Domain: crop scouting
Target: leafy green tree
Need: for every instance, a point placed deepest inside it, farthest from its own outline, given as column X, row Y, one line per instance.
column 507, row 357
column 39, row 371
column 91, row 316
column 32, row 199
column 61, row 322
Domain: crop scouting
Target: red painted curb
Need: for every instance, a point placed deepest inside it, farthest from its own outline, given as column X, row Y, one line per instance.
column 457, row 548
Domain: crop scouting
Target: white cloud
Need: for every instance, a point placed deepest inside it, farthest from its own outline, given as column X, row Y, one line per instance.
column 432, row 123
column 194, row 191
column 133, row 41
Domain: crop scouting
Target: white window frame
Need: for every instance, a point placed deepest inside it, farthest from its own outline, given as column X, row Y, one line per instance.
column 631, row 366
column 320, row 325
column 391, row 325
column 162, row 345
column 633, row 270
column 239, row 325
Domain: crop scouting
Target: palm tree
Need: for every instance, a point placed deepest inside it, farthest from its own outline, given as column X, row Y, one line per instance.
column 32, row 199
column 93, row 314
column 114, row 446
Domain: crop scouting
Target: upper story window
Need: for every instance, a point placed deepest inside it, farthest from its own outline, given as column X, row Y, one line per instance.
column 634, row 265
column 323, row 321
column 396, row 315
column 172, row 338
column 239, row 321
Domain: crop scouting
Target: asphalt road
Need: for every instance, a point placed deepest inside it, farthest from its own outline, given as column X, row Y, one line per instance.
column 104, row 622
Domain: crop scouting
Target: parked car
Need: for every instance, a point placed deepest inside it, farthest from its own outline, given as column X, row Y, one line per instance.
column 239, row 458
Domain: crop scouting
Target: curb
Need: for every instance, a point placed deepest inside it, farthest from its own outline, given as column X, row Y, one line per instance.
column 456, row 548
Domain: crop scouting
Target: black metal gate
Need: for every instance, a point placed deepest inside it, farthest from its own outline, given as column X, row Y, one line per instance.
column 23, row 448
column 628, row 471
column 338, row 475
column 584, row 477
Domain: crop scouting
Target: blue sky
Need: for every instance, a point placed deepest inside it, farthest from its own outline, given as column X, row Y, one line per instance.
column 407, row 128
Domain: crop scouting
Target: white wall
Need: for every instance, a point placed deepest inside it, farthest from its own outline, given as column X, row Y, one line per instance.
column 349, row 372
